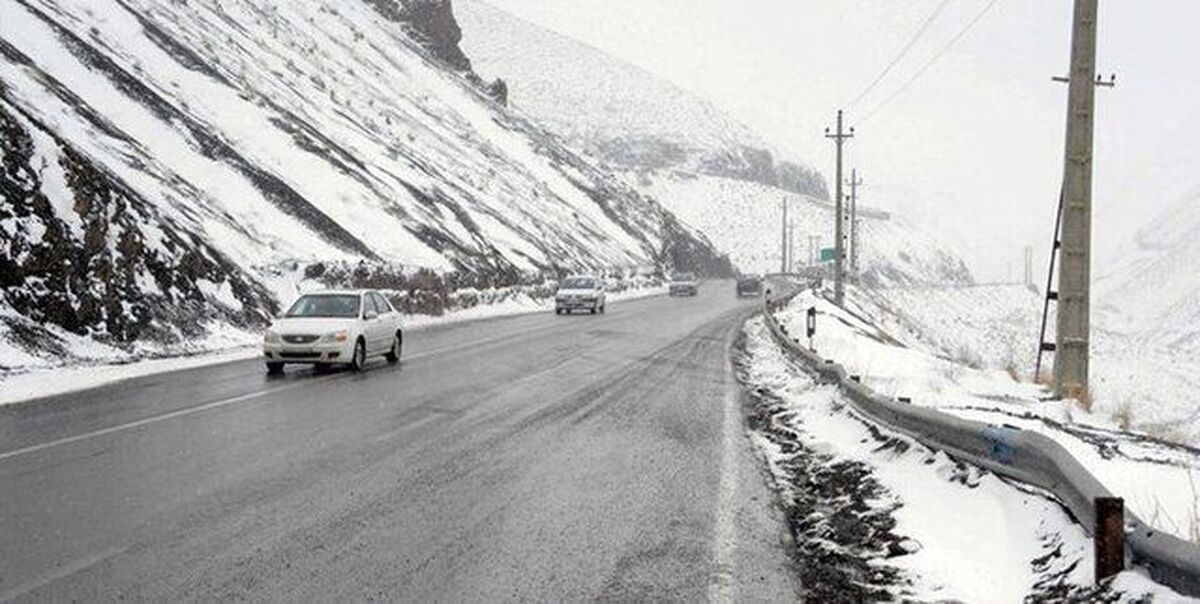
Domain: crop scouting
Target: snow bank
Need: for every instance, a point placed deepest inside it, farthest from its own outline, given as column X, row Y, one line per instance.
column 1160, row 481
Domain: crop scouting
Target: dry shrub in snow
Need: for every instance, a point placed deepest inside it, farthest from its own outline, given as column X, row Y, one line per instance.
column 1123, row 416
column 965, row 355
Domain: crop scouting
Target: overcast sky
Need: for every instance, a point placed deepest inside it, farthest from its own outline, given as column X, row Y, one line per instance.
column 974, row 146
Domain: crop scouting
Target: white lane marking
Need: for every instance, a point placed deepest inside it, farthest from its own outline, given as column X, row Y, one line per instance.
column 61, row 572
column 721, row 586
column 151, row 420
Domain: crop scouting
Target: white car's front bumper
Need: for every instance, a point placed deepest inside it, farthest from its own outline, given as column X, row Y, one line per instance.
column 576, row 303
column 316, row 352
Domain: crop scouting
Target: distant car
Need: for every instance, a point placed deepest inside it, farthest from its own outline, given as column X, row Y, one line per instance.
column 580, row 292
column 334, row 327
column 683, row 284
column 751, row 285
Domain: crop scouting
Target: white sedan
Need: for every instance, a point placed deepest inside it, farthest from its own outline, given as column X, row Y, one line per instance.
column 334, row 328
column 580, row 292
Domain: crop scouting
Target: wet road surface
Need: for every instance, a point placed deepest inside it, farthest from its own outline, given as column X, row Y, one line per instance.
column 526, row 458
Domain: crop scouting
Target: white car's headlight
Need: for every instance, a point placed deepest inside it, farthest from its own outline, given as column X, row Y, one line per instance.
column 337, row 336
column 271, row 337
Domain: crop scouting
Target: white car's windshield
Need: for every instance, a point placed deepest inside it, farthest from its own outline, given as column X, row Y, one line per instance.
column 578, row 283
column 683, row 277
column 340, row 306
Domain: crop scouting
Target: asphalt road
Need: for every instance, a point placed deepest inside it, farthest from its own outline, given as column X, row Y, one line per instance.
column 528, row 458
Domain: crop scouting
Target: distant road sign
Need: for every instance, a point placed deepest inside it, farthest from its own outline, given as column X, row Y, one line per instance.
column 828, row 254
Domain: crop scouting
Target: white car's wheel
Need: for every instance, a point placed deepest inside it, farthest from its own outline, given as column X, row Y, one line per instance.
column 359, row 360
column 393, row 355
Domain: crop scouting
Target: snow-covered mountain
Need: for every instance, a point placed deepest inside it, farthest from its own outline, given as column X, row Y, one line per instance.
column 165, row 162
column 744, row 219
column 705, row 167
column 1152, row 290
column 616, row 111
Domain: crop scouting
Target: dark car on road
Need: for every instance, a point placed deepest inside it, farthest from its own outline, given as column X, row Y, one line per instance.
column 749, row 286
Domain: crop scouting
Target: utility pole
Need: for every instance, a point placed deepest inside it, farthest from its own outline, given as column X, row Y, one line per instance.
column 814, row 248
column 783, row 238
column 1028, row 267
column 854, row 182
column 839, row 238
column 1074, row 269
column 791, row 246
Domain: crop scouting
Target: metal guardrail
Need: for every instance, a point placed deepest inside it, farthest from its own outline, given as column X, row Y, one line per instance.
column 1025, row 456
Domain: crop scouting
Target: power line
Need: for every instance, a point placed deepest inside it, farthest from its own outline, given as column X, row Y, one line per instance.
column 945, row 49
column 900, row 55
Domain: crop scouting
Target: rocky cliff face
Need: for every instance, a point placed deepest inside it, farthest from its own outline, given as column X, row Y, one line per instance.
column 431, row 24
column 163, row 161
column 96, row 259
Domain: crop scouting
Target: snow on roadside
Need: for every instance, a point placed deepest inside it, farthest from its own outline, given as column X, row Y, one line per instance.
column 956, row 533
column 222, row 346
column 1137, row 380
column 1160, row 481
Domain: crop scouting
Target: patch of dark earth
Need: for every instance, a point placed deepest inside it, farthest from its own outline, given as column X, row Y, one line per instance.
column 840, row 534
column 1053, row 570
column 842, row 537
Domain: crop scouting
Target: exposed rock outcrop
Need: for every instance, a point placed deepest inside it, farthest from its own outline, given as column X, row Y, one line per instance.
column 431, row 23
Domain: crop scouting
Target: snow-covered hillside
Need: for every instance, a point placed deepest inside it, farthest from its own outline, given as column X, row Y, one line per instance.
column 1152, row 289
column 894, row 356
column 163, row 161
column 1136, row 383
column 705, row 167
column 744, row 220
column 618, row 111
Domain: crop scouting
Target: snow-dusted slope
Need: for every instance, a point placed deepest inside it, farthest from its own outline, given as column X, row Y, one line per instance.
column 1135, row 383
column 615, row 110
column 894, row 357
column 705, row 167
column 1152, row 291
column 744, row 219
column 162, row 158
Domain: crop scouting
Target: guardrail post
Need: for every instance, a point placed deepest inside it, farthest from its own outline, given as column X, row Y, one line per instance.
column 1109, row 537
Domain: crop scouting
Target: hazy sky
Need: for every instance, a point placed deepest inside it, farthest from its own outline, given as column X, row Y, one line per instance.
column 974, row 146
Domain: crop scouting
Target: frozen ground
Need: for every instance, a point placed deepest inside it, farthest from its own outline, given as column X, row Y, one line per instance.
column 1159, row 480
column 877, row 516
column 1139, row 379
column 39, row 378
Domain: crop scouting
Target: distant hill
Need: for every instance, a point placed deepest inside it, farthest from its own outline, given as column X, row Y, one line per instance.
column 617, row 111
column 706, row 168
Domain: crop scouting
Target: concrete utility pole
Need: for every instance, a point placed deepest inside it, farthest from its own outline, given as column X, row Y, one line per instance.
column 1028, row 267
column 783, row 251
column 814, row 249
column 839, row 237
column 854, row 182
column 791, row 246
column 1074, row 269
